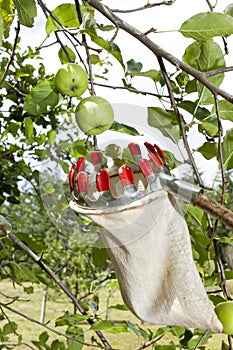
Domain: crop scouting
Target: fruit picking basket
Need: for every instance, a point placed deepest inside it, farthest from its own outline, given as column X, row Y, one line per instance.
column 123, row 183
column 144, row 231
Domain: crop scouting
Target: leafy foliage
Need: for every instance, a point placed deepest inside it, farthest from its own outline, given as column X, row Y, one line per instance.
column 31, row 110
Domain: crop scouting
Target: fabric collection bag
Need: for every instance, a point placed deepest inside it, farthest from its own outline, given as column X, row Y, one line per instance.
column 149, row 245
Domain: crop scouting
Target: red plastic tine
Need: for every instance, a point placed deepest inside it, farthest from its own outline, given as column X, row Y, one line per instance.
column 126, row 175
column 80, row 165
column 160, row 152
column 82, row 182
column 155, row 158
column 153, row 154
column 149, row 147
column 134, row 149
column 103, row 181
column 96, row 157
column 146, row 167
column 71, row 176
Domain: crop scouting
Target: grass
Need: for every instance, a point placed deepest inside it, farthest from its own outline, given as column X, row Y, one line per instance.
column 57, row 305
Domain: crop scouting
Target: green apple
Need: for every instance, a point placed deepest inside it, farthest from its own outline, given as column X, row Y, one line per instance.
column 224, row 311
column 94, row 115
column 71, row 80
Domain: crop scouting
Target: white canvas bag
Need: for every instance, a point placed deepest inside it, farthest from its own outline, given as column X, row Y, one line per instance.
column 149, row 245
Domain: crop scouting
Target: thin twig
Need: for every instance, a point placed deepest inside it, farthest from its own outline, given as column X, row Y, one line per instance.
column 90, row 72
column 152, row 342
column 15, row 89
column 145, row 7
column 222, row 272
column 211, row 7
column 218, row 71
column 180, row 120
column 17, row 30
column 136, row 91
column 200, row 340
column 220, row 131
column 215, row 243
column 229, row 337
column 9, row 321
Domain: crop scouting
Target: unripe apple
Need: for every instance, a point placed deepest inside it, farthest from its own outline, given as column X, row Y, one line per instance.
column 94, row 115
column 224, row 311
column 71, row 80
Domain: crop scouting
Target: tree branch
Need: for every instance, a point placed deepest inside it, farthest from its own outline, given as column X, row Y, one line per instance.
column 136, row 91
column 215, row 209
column 157, row 50
column 17, row 30
column 147, row 6
column 180, row 120
column 152, row 342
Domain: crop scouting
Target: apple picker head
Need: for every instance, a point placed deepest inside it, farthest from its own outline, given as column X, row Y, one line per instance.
column 146, row 236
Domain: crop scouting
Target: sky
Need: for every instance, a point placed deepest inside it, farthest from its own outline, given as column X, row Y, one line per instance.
column 167, row 20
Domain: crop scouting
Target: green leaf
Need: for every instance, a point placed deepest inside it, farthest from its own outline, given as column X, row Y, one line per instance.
column 66, row 14
column 152, row 74
column 52, row 137
column 165, row 121
column 227, row 150
column 208, row 149
column 216, row 299
column 89, row 28
column 66, row 55
column 106, row 28
column 196, row 111
column 111, row 48
column 95, row 59
column 125, row 129
column 99, row 256
column 110, row 327
column 133, row 66
column 205, row 56
column 78, row 149
column 204, row 26
column 43, row 337
column 228, row 240
column 171, row 161
column 29, row 128
column 209, row 127
column 57, row 345
column 191, row 54
column 69, row 320
column 78, row 334
column 121, row 307
column 9, row 328
column 41, row 99
column 26, row 11
column 198, row 215
column 229, row 10
column 7, row 14
column 225, row 109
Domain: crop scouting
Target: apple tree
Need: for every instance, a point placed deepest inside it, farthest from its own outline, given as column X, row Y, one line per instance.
column 80, row 53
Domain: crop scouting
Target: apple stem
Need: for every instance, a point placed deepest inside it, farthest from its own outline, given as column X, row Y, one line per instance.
column 86, row 142
column 95, row 141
